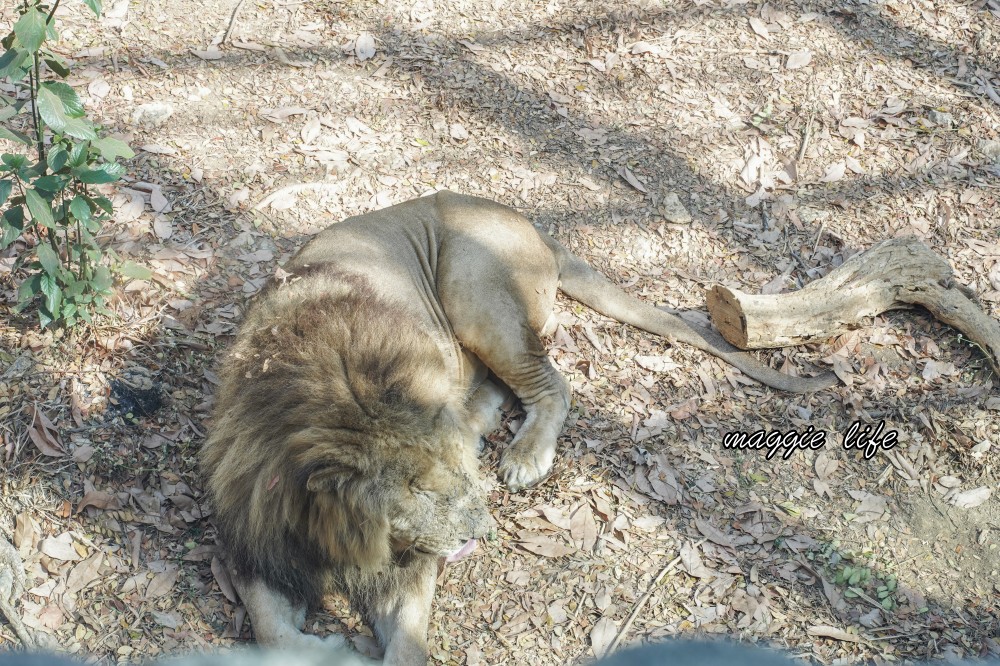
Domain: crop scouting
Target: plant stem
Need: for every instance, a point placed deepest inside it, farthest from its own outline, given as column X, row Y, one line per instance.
column 48, row 19
column 36, row 119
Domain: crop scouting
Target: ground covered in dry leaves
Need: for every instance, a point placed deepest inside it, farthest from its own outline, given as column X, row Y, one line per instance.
column 675, row 145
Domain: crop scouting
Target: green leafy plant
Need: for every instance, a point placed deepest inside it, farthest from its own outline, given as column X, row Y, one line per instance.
column 857, row 579
column 49, row 203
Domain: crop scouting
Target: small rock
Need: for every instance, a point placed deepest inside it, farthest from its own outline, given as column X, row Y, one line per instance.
column 990, row 148
column 941, row 119
column 674, row 211
column 153, row 114
column 812, row 215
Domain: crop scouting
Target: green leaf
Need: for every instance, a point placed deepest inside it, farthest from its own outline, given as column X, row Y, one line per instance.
column 79, row 208
column 80, row 128
column 15, row 162
column 44, row 317
column 105, row 204
column 14, row 217
column 68, row 311
column 78, row 154
column 9, row 235
column 27, row 291
column 52, row 292
column 14, row 64
column 49, row 183
column 30, row 29
column 112, row 148
column 39, row 209
column 14, row 135
column 5, row 187
column 102, row 280
column 95, row 6
column 58, row 103
column 105, row 173
column 57, row 158
column 48, row 258
column 57, row 65
column 130, row 269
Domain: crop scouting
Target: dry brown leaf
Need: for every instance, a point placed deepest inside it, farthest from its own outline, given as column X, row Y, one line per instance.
column 825, row 465
column 691, row 561
column 44, row 434
column 25, row 533
column 556, row 516
column 545, row 547
column 832, row 632
column 834, row 172
column 99, row 499
column 82, row 454
column 51, row 617
column 631, row 179
column 713, row 533
column 799, row 59
column 685, row 410
column 163, row 582
column 364, row 47
column 60, row 548
column 648, row 523
column 163, row 227
column 664, row 484
column 222, row 578
column 157, row 201
column 971, row 498
column 602, row 634
column 210, row 54
column 759, row 27
column 84, row 573
column 583, row 527
column 656, row 363
column 168, row 620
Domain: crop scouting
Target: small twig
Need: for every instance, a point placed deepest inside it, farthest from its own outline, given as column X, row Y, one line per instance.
column 643, row 601
column 232, row 21
column 806, row 134
column 819, row 235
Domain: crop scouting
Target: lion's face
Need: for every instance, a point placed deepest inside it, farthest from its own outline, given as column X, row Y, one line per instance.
column 438, row 507
column 414, row 489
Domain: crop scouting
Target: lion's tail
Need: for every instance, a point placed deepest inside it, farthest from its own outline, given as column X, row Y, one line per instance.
column 581, row 282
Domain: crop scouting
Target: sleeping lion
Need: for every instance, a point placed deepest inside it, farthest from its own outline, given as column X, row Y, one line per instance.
column 351, row 407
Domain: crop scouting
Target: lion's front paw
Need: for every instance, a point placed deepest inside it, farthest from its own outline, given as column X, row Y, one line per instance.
column 523, row 465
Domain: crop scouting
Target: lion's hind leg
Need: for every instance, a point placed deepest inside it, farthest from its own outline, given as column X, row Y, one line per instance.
column 501, row 327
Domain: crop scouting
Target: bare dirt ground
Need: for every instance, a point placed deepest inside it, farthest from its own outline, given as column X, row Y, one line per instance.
column 791, row 133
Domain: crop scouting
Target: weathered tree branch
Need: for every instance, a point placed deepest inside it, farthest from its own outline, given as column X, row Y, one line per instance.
column 896, row 273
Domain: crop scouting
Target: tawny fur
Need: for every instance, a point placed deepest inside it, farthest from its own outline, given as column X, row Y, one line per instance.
column 321, row 406
column 342, row 455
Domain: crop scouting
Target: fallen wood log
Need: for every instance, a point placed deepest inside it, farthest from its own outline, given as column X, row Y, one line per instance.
column 893, row 274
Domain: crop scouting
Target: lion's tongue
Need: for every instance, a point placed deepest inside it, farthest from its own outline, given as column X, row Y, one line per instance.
column 469, row 546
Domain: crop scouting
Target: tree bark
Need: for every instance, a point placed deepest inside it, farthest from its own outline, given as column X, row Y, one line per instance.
column 893, row 274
